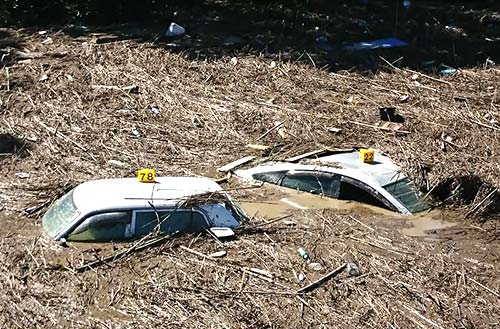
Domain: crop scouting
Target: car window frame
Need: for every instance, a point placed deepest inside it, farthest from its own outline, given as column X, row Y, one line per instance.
column 133, row 223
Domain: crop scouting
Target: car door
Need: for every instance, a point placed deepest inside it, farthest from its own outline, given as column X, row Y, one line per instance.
column 168, row 221
column 316, row 182
column 105, row 226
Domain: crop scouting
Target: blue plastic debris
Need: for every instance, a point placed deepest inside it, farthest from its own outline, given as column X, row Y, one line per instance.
column 407, row 4
column 449, row 71
column 323, row 43
column 375, row 44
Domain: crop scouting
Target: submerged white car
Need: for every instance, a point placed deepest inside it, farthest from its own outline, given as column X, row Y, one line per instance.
column 124, row 208
column 344, row 176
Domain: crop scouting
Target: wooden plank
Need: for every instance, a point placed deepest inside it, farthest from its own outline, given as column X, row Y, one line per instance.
column 305, row 155
column 235, row 164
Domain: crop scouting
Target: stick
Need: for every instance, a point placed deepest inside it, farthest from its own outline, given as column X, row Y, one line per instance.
column 271, row 130
column 480, row 284
column 120, row 254
column 361, row 223
column 429, row 77
column 271, row 221
column 194, row 252
column 380, row 128
column 481, row 203
column 59, row 134
column 423, row 317
column 325, row 278
column 485, row 125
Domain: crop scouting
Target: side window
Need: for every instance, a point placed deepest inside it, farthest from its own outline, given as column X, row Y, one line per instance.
column 110, row 226
column 182, row 221
column 313, row 182
column 351, row 190
column 269, row 177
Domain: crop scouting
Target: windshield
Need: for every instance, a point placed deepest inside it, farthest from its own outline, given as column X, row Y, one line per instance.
column 407, row 194
column 60, row 215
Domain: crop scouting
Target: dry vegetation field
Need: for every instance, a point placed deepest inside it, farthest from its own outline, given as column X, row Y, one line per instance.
column 73, row 109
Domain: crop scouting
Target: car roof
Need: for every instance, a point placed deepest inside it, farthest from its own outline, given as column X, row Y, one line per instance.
column 129, row 193
column 381, row 172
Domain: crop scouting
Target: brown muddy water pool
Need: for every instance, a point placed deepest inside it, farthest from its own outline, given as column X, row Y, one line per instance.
column 277, row 201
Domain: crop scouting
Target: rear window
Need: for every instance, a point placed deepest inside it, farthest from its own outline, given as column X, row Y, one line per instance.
column 407, row 194
column 60, row 215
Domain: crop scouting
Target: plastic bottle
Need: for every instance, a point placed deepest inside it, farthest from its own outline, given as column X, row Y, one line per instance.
column 303, row 253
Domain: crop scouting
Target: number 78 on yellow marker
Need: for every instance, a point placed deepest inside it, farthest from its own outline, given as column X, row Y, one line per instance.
column 146, row 175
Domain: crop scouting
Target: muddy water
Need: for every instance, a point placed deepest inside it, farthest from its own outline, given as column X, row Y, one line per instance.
column 281, row 201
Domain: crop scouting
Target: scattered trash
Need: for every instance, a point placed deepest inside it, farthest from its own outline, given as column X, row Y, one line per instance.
column 154, row 110
column 272, row 65
column 69, row 77
column 375, row 44
column 301, row 277
column 22, row 175
column 43, row 77
column 174, row 30
column 47, row 41
column 353, row 269
column 455, row 31
column 43, row 32
column 290, row 222
column 116, row 163
column 259, row 147
column 303, row 253
column 404, row 98
column 334, row 130
column 218, row 254
column 136, row 133
column 234, row 61
column 448, row 71
column 406, row 4
column 315, row 266
column 389, row 114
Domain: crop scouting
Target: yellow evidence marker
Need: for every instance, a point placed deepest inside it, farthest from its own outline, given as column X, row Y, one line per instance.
column 146, row 175
column 366, row 156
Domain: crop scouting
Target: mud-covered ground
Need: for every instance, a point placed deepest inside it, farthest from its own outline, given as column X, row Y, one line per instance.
column 69, row 105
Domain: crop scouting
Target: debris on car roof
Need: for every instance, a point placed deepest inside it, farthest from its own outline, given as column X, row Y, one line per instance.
column 126, row 208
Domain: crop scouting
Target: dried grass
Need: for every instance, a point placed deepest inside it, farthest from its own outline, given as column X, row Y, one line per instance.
column 209, row 112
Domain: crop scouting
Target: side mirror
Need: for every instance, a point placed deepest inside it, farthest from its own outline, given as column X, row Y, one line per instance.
column 222, row 232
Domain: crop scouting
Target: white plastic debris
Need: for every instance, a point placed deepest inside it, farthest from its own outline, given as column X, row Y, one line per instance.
column 69, row 77
column 22, row 175
column 136, row 133
column 353, row 269
column 154, row 110
column 315, row 266
column 116, row 163
column 272, row 65
column 234, row 61
column 301, row 277
column 175, row 30
column 43, row 77
column 218, row 254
